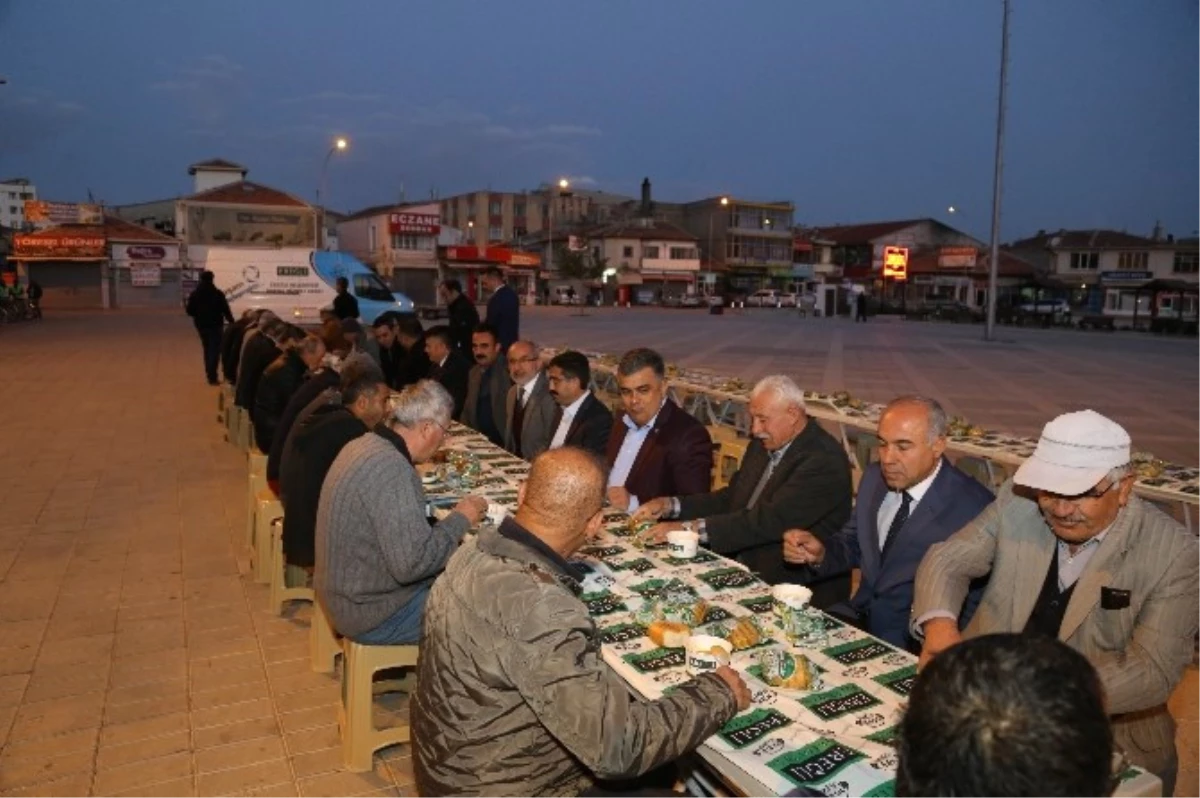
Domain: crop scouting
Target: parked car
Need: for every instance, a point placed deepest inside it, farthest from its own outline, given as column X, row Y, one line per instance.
column 764, row 298
column 944, row 310
column 693, row 301
column 788, row 300
column 1048, row 306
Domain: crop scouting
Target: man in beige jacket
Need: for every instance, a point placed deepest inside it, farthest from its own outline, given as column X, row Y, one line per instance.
column 1073, row 553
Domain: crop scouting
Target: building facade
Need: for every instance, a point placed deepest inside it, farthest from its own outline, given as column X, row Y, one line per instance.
column 646, row 259
column 493, row 217
column 749, row 241
column 400, row 242
column 14, row 193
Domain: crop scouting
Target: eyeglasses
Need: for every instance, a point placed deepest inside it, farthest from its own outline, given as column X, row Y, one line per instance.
column 1095, row 493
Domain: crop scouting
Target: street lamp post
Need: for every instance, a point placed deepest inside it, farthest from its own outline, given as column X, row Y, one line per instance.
column 989, row 333
column 339, row 145
column 563, row 185
column 724, row 204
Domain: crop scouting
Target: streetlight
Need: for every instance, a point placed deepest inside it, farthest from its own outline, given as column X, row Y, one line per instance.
column 952, row 210
column 724, row 202
column 471, row 231
column 989, row 329
column 339, row 145
column 563, row 185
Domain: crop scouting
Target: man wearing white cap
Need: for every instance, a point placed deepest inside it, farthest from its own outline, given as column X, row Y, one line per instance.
column 1073, row 553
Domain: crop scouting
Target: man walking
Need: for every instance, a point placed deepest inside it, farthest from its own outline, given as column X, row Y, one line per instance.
column 503, row 309
column 209, row 310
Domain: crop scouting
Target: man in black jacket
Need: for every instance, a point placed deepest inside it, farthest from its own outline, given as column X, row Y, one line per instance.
column 209, row 309
column 231, row 344
column 795, row 475
column 581, row 419
column 448, row 366
column 279, row 382
column 415, row 365
column 391, row 352
column 345, row 306
column 316, row 443
column 464, row 318
column 258, row 353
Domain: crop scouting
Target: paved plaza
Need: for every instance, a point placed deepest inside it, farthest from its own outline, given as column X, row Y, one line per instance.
column 136, row 657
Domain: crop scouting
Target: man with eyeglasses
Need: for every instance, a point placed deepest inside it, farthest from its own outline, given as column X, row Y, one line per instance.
column 529, row 407
column 1073, row 554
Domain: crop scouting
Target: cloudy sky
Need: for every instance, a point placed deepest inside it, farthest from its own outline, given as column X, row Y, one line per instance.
column 856, row 111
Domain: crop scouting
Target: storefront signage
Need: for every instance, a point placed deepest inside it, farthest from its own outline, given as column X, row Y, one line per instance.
column 418, row 223
column 145, row 253
column 59, row 246
column 895, row 263
column 1125, row 277
column 145, row 275
column 957, row 257
column 41, row 212
column 501, row 255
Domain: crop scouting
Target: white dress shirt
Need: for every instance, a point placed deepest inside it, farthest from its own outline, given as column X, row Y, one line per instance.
column 627, row 456
column 564, row 426
column 894, row 498
column 1070, row 566
column 527, row 390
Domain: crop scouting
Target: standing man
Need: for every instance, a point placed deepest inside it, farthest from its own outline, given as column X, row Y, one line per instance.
column 487, row 387
column 464, row 318
column 345, row 306
column 912, row 498
column 529, row 407
column 513, row 697
column 795, row 475
column 209, row 310
column 377, row 555
column 581, row 419
column 860, row 307
column 447, row 366
column 415, row 365
column 655, row 448
column 391, row 353
column 1073, row 554
column 503, row 308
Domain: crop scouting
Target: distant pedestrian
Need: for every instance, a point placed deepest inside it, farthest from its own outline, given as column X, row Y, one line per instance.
column 209, row 309
column 464, row 318
column 860, row 307
column 35, row 299
column 504, row 307
column 345, row 306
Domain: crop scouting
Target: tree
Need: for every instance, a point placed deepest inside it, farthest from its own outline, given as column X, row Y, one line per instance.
column 580, row 265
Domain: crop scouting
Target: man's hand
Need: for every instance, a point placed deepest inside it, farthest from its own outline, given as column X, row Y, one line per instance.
column 653, row 509
column 658, row 533
column 733, row 680
column 618, row 497
column 473, row 507
column 801, row 547
column 940, row 634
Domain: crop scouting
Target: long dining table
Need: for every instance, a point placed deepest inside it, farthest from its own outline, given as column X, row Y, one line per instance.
column 838, row 737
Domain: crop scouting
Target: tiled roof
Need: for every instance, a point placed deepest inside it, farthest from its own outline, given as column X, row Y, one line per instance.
column 1086, row 239
column 243, row 192
column 655, row 229
column 391, row 207
column 857, row 234
column 1011, row 265
column 217, row 165
column 120, row 230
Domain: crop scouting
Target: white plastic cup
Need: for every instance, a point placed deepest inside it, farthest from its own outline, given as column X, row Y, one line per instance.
column 701, row 657
column 794, row 597
column 683, row 544
column 496, row 513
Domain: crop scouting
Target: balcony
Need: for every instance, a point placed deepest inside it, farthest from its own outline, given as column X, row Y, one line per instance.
column 669, row 265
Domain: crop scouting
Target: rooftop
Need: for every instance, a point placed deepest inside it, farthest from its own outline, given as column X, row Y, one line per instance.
column 243, row 192
column 217, row 165
column 855, row 234
column 1086, row 239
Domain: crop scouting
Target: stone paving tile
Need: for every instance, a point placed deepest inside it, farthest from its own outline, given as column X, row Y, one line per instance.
column 137, row 659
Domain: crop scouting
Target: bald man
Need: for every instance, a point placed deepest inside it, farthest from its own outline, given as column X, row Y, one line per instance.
column 513, row 697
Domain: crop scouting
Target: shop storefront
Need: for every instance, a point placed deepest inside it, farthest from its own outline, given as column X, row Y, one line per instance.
column 467, row 263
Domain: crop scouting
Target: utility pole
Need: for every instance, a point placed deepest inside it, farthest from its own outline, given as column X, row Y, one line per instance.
column 989, row 333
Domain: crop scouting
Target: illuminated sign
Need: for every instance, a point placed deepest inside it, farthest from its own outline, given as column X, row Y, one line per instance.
column 895, row 262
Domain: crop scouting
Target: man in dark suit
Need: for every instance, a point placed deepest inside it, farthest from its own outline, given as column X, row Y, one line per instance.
column 487, row 386
column 391, row 353
column 794, row 475
column 912, row 498
column 464, row 318
column 581, row 420
column 503, row 308
column 415, row 365
column 529, row 407
column 448, row 366
column 655, row 448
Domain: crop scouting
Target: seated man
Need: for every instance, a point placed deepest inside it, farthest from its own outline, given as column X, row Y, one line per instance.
column 529, row 407
column 258, row 352
column 513, row 697
column 795, row 475
column 377, row 555
column 415, row 364
column 1074, row 554
column 487, row 386
column 581, row 420
column 1006, row 715
column 655, row 449
column 912, row 498
column 302, row 356
column 231, row 344
column 391, row 353
column 447, row 366
column 314, row 444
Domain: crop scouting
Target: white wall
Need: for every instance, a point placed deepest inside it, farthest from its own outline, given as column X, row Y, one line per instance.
column 204, row 179
column 12, row 203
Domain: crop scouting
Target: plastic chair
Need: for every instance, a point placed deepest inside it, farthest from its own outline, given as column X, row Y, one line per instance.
column 360, row 738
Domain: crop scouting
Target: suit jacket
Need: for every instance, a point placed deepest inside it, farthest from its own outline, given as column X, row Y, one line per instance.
column 500, row 383
column 1139, row 649
column 885, row 589
column 453, row 375
column 538, row 427
column 676, row 458
column 414, row 366
column 504, row 313
column 589, row 429
column 463, row 319
column 809, row 489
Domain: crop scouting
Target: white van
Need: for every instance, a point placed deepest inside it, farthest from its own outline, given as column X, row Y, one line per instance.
column 295, row 283
column 765, row 298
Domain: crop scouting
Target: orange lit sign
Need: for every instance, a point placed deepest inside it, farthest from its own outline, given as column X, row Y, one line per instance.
column 895, row 262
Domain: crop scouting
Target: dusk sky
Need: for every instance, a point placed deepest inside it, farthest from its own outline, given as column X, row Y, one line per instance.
column 855, row 111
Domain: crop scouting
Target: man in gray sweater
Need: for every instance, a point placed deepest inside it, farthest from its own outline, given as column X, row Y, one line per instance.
column 377, row 555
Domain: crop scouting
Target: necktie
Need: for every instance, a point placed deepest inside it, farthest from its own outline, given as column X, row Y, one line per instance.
column 897, row 522
column 518, row 420
column 765, row 478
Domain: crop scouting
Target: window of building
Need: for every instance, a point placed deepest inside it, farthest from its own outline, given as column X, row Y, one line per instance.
column 412, row 243
column 519, row 209
column 1133, row 261
column 650, row 252
column 1089, row 261
column 683, row 253
column 495, row 234
column 12, row 209
column 1186, row 263
column 372, row 238
column 494, row 208
column 627, row 252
